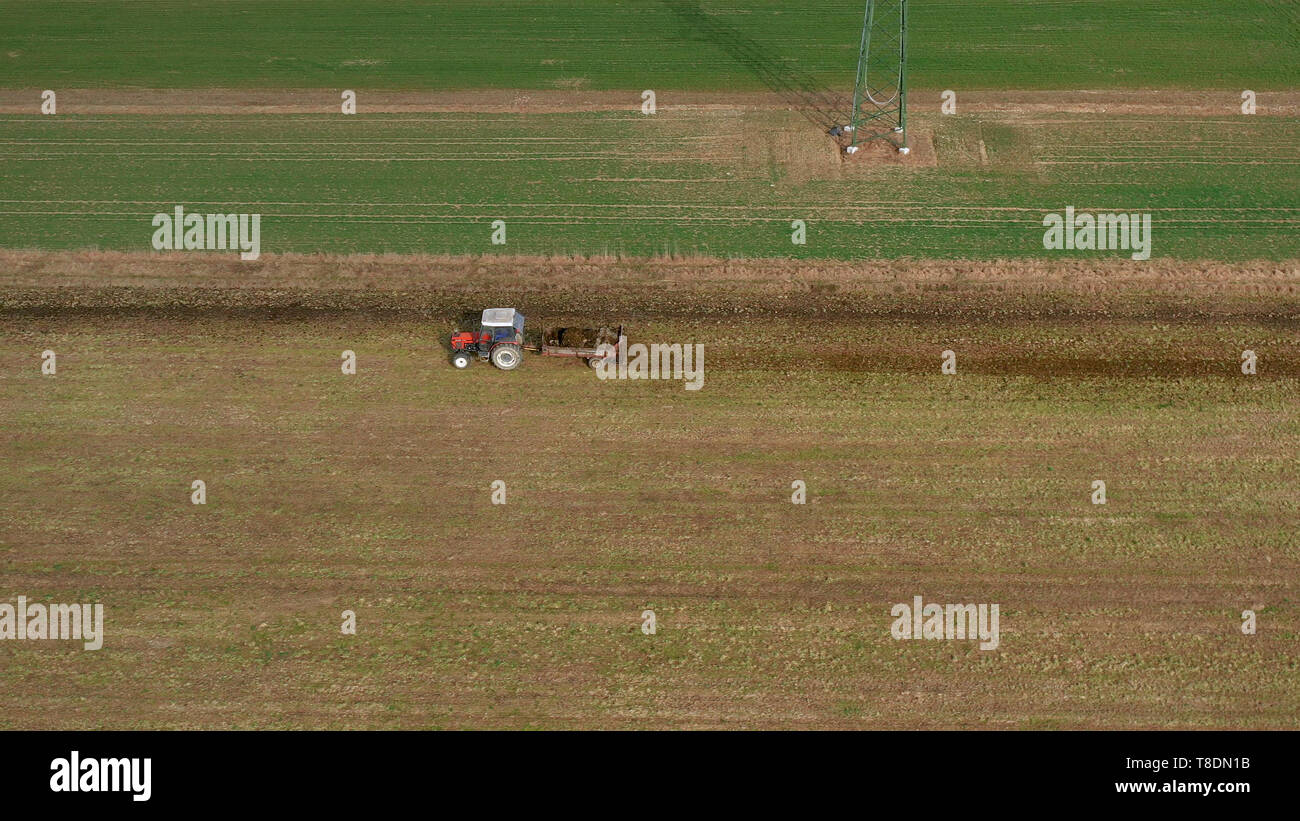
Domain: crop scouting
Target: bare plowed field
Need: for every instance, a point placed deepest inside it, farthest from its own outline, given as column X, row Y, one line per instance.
column 372, row 493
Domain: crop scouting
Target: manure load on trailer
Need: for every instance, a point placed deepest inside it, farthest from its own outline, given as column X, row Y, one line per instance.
column 578, row 337
column 583, row 343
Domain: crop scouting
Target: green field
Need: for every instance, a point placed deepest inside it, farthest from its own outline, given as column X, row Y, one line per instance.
column 715, row 183
column 617, row 44
column 720, row 180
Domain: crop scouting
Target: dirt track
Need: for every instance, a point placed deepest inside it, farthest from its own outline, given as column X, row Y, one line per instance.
column 36, row 283
column 327, row 101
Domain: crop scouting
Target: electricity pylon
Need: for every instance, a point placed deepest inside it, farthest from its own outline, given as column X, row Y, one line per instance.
column 880, row 93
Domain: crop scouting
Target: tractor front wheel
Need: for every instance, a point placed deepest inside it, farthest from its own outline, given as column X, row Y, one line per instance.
column 460, row 360
column 506, row 357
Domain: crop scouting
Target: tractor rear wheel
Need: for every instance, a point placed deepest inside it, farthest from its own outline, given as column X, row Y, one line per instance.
column 460, row 360
column 506, row 357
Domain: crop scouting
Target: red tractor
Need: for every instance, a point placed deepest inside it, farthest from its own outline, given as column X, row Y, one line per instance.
column 500, row 338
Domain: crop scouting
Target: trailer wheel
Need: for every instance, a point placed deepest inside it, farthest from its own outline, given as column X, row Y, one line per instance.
column 595, row 361
column 460, row 360
column 506, row 357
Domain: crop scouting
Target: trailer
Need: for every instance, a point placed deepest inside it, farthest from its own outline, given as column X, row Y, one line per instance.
column 590, row 344
column 500, row 339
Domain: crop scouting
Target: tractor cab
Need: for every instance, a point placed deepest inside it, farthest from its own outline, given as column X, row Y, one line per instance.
column 499, row 338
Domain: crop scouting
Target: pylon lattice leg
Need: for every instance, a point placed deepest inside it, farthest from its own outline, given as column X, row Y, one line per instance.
column 880, row 91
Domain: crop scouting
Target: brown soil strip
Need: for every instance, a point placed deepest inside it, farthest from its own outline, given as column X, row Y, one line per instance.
column 39, row 283
column 882, row 152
